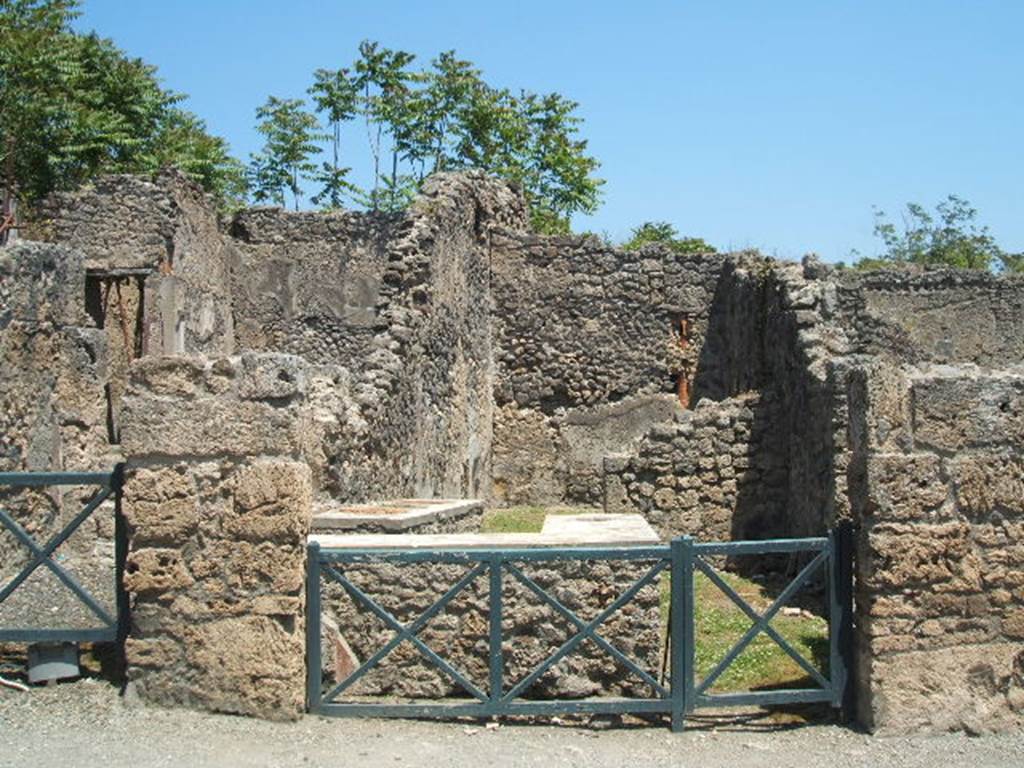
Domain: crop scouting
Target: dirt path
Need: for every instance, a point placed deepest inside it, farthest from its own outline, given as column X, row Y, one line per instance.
column 87, row 724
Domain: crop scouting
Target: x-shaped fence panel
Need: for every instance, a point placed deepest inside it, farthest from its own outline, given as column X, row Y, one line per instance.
column 831, row 557
column 682, row 559
column 500, row 697
column 43, row 555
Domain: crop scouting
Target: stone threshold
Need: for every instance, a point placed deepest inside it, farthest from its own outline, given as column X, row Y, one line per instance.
column 392, row 515
column 587, row 530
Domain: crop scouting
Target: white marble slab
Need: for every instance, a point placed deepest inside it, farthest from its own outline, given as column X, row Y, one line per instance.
column 559, row 531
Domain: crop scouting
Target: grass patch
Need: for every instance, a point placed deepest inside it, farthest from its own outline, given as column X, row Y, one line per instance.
column 525, row 519
column 719, row 623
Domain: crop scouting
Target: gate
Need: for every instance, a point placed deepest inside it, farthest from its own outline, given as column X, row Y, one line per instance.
column 108, row 628
column 682, row 559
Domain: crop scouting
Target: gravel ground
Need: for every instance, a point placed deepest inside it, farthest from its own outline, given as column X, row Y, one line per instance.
column 87, row 724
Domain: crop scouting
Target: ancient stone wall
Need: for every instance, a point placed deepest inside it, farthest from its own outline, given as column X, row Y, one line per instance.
column 157, row 269
column 937, row 486
column 309, row 283
column 448, row 352
column 218, row 502
column 532, row 630
column 400, row 301
column 773, row 328
column 941, row 315
column 712, row 473
column 54, row 417
column 588, row 353
column 164, row 235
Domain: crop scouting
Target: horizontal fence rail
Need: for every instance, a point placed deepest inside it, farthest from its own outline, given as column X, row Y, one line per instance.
column 682, row 558
column 832, row 559
column 498, row 697
column 42, row 555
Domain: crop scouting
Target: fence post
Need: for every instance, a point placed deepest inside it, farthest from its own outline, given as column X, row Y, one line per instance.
column 841, row 616
column 681, row 629
column 495, row 659
column 120, row 556
column 314, row 664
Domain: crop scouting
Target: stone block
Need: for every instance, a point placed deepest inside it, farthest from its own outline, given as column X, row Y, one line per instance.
column 968, row 410
column 248, row 568
column 938, row 556
column 271, row 376
column 159, row 652
column 904, row 487
column 987, row 484
column 160, row 506
column 154, row 571
column 272, row 502
column 973, row 688
column 248, row 665
column 1013, row 624
column 42, row 283
column 204, row 427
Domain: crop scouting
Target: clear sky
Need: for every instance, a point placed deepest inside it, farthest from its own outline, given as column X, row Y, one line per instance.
column 774, row 125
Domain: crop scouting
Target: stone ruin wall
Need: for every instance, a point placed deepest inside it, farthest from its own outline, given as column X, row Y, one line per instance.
column 937, row 486
column 400, row 303
column 588, row 355
column 532, row 631
column 121, row 269
column 889, row 399
column 550, row 364
column 939, row 316
column 710, row 473
column 53, row 414
column 218, row 508
column 932, row 401
column 403, row 411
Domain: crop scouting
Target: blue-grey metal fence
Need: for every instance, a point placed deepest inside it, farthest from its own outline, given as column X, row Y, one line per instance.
column 682, row 558
column 109, row 626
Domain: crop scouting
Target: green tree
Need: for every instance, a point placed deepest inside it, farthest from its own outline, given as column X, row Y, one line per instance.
column 290, row 135
column 74, row 105
column 432, row 138
column 119, row 112
column 383, row 79
column 1012, row 262
column 182, row 141
column 949, row 238
column 37, row 57
column 532, row 139
column 336, row 96
column 662, row 232
column 444, row 118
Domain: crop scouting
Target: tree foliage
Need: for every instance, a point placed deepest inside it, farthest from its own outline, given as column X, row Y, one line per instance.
column 336, row 97
column 446, row 117
column 290, row 134
column 661, row 232
column 74, row 105
column 950, row 238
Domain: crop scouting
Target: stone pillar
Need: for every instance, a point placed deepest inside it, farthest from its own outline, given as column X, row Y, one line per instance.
column 218, row 504
column 937, row 489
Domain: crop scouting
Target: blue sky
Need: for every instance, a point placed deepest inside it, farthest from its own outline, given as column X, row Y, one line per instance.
column 775, row 125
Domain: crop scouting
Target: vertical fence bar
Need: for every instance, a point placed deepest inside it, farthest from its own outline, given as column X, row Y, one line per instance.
column 314, row 665
column 842, row 571
column 834, row 658
column 495, row 661
column 120, row 555
column 680, row 610
column 689, row 626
